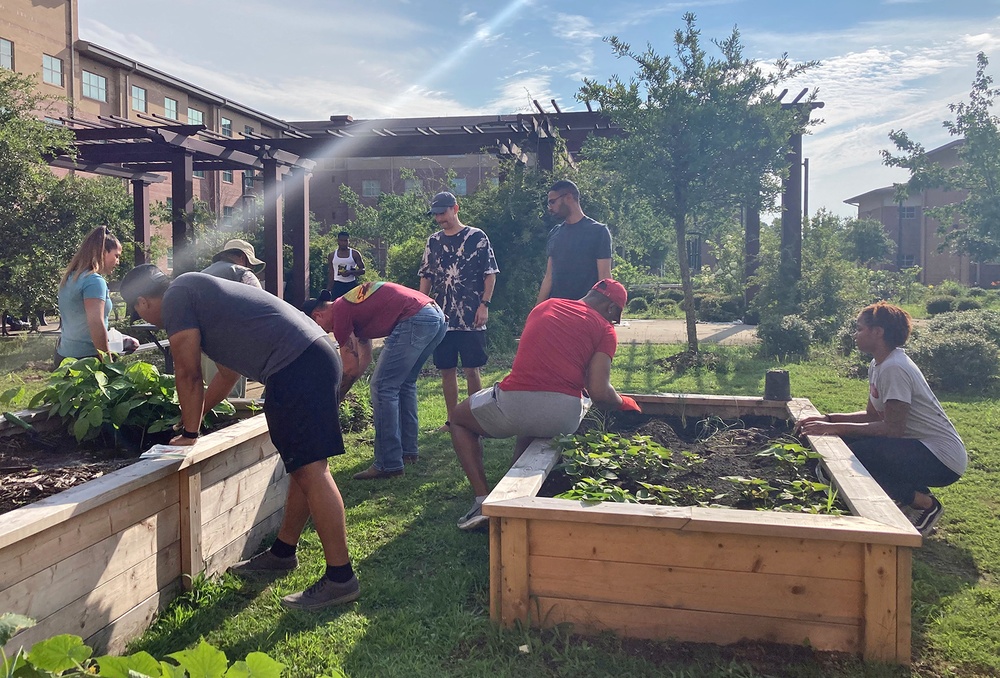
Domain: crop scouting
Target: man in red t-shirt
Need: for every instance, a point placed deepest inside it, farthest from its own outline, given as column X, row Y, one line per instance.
column 413, row 325
column 566, row 349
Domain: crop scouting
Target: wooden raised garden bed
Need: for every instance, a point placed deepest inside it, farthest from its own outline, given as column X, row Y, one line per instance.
column 715, row 575
column 100, row 559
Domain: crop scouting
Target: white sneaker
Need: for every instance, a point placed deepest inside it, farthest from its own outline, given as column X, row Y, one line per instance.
column 474, row 518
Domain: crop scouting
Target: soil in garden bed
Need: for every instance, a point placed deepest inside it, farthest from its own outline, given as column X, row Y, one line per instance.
column 35, row 467
column 725, row 448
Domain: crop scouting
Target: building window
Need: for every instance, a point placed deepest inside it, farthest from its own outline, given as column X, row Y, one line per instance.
column 52, row 70
column 53, row 121
column 459, row 185
column 413, row 186
column 195, row 117
column 6, row 54
column 227, row 211
column 227, row 176
column 226, row 125
column 370, row 188
column 169, row 108
column 908, row 213
column 248, row 178
column 138, row 99
column 198, row 174
column 495, row 182
column 247, row 131
column 95, row 86
column 908, row 261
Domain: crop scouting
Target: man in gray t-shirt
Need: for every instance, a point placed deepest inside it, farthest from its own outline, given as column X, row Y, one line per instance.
column 248, row 331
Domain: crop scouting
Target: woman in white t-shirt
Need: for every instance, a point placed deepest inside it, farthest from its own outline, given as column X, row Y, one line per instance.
column 904, row 438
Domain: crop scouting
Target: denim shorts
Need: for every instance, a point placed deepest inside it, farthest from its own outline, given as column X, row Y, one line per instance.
column 536, row 414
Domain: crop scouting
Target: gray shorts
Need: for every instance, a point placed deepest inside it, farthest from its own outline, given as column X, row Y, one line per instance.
column 538, row 414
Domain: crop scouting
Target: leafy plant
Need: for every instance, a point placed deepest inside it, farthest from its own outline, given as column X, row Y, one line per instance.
column 67, row 655
column 94, row 394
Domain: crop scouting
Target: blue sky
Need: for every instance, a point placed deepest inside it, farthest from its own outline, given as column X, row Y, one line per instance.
column 885, row 64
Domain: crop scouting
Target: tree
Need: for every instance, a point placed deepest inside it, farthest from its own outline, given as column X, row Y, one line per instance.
column 971, row 226
column 866, row 242
column 43, row 218
column 700, row 132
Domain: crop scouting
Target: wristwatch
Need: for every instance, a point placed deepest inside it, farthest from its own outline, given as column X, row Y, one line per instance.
column 485, row 302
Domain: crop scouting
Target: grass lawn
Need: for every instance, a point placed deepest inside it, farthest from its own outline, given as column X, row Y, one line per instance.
column 424, row 604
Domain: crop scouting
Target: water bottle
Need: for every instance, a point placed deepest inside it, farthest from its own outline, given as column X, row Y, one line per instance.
column 116, row 343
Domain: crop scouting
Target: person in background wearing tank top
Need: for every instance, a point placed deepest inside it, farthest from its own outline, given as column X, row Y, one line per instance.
column 345, row 265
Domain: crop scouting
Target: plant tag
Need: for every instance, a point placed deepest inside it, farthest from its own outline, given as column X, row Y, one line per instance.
column 166, row 452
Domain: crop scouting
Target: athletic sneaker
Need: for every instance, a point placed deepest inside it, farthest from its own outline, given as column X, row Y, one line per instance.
column 324, row 593
column 265, row 563
column 474, row 518
column 821, row 474
column 925, row 519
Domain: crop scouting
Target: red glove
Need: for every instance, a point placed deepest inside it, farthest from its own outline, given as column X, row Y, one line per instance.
column 629, row 404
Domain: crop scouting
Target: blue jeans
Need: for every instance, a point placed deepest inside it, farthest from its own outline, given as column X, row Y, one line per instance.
column 394, row 384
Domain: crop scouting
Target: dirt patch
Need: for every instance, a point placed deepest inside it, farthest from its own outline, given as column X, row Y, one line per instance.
column 724, row 449
column 36, row 467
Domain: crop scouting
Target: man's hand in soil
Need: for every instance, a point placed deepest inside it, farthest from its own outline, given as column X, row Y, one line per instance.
column 629, row 405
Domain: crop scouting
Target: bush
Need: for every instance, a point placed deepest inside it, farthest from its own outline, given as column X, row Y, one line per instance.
column 956, row 361
column 985, row 324
column 789, row 336
column 674, row 295
column 718, row 308
column 967, row 305
column 403, row 262
column 978, row 292
column 637, row 305
column 940, row 304
column 952, row 288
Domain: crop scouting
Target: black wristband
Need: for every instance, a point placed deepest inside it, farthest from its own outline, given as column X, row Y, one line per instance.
column 189, row 434
column 485, row 303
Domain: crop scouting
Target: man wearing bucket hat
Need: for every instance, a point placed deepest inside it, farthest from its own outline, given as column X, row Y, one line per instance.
column 252, row 332
column 237, row 262
column 563, row 363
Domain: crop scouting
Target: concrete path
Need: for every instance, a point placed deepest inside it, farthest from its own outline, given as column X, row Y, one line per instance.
column 675, row 332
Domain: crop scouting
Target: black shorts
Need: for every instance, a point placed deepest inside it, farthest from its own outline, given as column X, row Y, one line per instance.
column 302, row 405
column 471, row 345
column 339, row 289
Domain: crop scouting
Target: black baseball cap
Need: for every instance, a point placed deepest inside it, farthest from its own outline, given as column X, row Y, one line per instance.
column 441, row 203
column 310, row 304
column 145, row 280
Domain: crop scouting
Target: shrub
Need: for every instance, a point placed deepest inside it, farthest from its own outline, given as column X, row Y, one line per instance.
column 967, row 305
column 718, row 308
column 952, row 288
column 674, row 295
column 788, row 336
column 940, row 304
column 956, row 361
column 637, row 305
column 978, row 292
column 985, row 324
column 403, row 262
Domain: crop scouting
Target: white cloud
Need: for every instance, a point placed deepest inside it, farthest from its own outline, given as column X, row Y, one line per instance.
column 574, row 28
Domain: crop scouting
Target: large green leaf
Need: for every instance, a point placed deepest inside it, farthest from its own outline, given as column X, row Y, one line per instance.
column 141, row 663
column 59, row 653
column 204, row 661
column 11, row 395
column 257, row 665
column 80, row 428
column 12, row 624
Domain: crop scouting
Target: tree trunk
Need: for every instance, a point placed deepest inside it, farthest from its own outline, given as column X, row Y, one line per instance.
column 688, row 303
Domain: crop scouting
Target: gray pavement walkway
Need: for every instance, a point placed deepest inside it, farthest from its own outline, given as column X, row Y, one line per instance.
column 675, row 332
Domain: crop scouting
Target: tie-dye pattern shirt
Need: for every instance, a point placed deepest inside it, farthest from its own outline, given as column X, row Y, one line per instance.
column 457, row 266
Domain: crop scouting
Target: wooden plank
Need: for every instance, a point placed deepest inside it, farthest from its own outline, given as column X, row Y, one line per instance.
column 685, row 405
column 115, row 637
column 514, row 571
column 640, row 621
column 496, row 569
column 30, row 520
column 904, row 604
column 769, row 595
column 40, row 550
column 244, row 545
column 525, row 477
column 879, row 632
column 682, row 548
column 189, row 481
column 223, row 529
column 93, row 611
column 242, row 455
column 54, row 587
column 224, row 495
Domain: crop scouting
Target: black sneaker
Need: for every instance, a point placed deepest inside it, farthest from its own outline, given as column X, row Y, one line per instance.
column 324, row 593
column 265, row 563
column 925, row 519
column 821, row 475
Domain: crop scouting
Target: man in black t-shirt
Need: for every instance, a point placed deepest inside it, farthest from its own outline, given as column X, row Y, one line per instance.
column 579, row 248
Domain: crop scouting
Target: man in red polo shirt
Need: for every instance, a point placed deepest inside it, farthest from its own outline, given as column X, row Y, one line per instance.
column 566, row 349
column 413, row 325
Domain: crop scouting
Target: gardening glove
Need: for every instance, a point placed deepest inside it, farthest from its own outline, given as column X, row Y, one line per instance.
column 629, row 405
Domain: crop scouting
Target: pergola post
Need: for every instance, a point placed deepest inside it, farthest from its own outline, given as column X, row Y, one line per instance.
column 140, row 220
column 274, row 278
column 751, row 247
column 297, row 210
column 791, row 216
column 182, row 200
